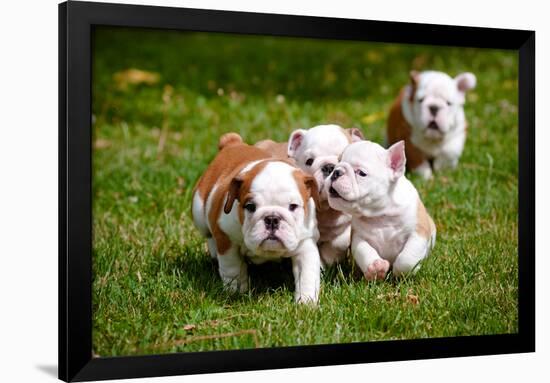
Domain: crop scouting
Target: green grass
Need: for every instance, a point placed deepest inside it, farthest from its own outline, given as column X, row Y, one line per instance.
column 151, row 274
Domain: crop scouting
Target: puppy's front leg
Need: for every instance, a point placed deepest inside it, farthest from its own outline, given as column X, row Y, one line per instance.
column 368, row 260
column 415, row 250
column 444, row 162
column 306, row 267
column 233, row 270
column 424, row 170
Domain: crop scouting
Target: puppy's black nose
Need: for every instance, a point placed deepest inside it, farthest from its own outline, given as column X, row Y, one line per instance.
column 335, row 175
column 433, row 109
column 272, row 222
column 327, row 169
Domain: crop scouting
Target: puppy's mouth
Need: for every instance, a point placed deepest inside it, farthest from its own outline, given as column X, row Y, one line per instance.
column 272, row 243
column 433, row 126
column 433, row 132
column 333, row 193
column 272, row 238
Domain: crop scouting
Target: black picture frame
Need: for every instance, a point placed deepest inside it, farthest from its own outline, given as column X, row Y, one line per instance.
column 76, row 23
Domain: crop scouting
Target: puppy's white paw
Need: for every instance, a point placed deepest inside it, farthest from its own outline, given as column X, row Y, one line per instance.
column 425, row 171
column 306, row 299
column 377, row 270
column 236, row 284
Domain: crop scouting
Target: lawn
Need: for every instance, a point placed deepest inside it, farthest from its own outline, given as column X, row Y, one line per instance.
column 155, row 289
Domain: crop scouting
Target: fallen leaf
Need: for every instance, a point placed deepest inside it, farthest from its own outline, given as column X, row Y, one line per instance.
column 189, row 327
column 413, row 299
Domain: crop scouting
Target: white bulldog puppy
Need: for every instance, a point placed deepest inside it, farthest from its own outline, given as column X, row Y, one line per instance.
column 390, row 225
column 252, row 206
column 316, row 152
column 429, row 116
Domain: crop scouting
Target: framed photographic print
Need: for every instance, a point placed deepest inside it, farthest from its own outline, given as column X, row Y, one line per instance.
column 245, row 191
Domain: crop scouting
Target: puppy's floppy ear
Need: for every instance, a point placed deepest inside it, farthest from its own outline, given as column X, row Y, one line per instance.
column 294, row 142
column 465, row 81
column 311, row 186
column 232, row 194
column 414, row 78
column 356, row 134
column 397, row 159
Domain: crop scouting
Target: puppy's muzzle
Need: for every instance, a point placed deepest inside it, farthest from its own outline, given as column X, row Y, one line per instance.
column 272, row 222
column 433, row 126
column 336, row 174
column 327, row 169
column 433, row 110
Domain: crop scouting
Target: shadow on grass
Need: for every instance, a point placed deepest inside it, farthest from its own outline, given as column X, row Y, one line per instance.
column 199, row 272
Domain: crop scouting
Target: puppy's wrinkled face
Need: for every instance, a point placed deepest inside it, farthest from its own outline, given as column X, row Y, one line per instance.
column 274, row 202
column 363, row 178
column 317, row 150
column 436, row 101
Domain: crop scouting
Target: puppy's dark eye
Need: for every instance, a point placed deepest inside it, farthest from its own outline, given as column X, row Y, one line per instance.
column 448, row 103
column 292, row 207
column 360, row 173
column 420, row 100
column 309, row 162
column 250, row 207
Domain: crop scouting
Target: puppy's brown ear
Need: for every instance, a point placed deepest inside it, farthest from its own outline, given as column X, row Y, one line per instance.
column 414, row 77
column 311, row 186
column 356, row 134
column 232, row 194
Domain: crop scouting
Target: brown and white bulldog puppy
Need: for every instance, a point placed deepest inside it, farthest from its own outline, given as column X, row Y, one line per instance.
column 391, row 226
column 429, row 116
column 316, row 151
column 251, row 205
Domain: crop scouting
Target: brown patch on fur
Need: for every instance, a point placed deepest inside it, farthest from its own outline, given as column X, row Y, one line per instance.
column 221, row 171
column 399, row 129
column 424, row 225
column 307, row 187
column 354, row 135
column 276, row 149
column 245, row 184
column 229, row 139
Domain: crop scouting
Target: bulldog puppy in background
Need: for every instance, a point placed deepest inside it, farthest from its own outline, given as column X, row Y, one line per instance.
column 429, row 116
column 248, row 204
column 316, row 151
column 390, row 225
